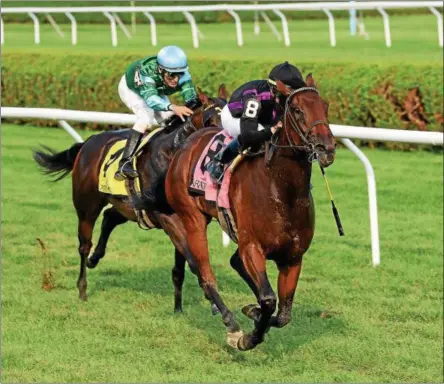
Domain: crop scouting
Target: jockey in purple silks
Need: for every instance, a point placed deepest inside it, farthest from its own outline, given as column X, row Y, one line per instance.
column 253, row 113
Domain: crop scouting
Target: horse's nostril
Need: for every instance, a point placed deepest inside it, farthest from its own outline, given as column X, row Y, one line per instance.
column 320, row 148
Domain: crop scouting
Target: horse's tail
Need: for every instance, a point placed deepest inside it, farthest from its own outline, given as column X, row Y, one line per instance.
column 59, row 164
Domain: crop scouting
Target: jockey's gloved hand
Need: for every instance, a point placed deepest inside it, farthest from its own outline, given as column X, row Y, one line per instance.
column 181, row 110
column 181, row 114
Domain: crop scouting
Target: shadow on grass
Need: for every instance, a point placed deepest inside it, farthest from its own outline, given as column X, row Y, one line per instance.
column 309, row 321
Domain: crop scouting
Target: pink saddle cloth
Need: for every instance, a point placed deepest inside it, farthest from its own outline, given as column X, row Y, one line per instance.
column 202, row 182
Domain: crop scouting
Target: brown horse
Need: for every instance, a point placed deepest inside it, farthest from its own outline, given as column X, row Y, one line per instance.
column 85, row 159
column 272, row 207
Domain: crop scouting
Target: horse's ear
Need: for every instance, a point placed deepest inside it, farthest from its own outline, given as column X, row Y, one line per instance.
column 282, row 88
column 310, row 81
column 222, row 92
column 202, row 96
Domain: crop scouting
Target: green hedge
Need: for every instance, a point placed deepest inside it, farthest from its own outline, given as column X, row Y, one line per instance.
column 359, row 95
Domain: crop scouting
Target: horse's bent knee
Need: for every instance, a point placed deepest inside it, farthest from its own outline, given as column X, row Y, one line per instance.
column 268, row 303
column 84, row 249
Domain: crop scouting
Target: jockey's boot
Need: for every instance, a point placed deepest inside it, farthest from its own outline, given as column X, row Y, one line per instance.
column 216, row 166
column 126, row 170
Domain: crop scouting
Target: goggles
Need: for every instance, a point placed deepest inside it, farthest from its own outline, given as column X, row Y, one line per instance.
column 173, row 75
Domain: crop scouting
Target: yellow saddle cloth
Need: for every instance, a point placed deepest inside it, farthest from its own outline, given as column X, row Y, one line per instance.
column 107, row 183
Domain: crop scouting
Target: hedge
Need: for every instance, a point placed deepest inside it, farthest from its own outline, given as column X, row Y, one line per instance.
column 407, row 96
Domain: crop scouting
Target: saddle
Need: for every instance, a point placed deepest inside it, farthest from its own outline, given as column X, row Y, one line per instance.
column 125, row 188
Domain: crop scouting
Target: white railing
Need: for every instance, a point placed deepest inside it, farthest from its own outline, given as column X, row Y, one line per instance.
column 112, row 14
column 345, row 133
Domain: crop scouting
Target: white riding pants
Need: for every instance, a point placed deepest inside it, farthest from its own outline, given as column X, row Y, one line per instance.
column 232, row 124
column 147, row 118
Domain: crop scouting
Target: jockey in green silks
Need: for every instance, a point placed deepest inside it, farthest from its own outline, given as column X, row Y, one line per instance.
column 144, row 88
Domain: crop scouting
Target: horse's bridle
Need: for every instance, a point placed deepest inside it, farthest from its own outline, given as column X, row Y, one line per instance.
column 210, row 111
column 207, row 114
column 309, row 146
column 189, row 127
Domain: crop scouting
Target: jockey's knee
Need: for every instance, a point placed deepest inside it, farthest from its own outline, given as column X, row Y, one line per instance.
column 142, row 125
column 161, row 116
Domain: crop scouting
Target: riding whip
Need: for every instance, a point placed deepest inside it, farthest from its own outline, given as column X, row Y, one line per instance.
column 335, row 211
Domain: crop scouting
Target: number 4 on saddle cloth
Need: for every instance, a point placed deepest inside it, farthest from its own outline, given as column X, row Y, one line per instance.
column 203, row 184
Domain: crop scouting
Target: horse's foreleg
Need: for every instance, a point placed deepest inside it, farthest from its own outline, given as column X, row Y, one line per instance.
column 252, row 311
column 111, row 219
column 254, row 263
column 287, row 282
column 178, row 274
column 237, row 265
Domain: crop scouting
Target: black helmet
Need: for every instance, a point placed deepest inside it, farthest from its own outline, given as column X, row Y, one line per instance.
column 288, row 74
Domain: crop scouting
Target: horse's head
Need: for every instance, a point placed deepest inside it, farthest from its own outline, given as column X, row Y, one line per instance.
column 306, row 121
column 208, row 115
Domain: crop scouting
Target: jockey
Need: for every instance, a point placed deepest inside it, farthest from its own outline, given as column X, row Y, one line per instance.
column 144, row 88
column 253, row 114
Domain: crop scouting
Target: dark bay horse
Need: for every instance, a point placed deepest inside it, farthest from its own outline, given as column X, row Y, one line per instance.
column 85, row 159
column 272, row 207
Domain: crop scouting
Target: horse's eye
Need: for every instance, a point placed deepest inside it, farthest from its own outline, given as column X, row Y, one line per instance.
column 297, row 110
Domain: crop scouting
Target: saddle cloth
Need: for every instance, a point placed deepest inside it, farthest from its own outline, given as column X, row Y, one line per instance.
column 107, row 183
column 203, row 184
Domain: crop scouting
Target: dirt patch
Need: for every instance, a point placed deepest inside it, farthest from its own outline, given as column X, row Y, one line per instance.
column 48, row 278
column 411, row 110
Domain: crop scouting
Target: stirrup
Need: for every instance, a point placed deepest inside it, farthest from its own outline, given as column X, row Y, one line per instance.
column 220, row 179
column 217, row 177
column 122, row 175
column 119, row 175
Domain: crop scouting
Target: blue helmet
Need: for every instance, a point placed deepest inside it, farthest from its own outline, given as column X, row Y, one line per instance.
column 172, row 59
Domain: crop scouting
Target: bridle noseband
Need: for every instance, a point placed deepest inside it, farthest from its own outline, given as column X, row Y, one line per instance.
column 309, row 146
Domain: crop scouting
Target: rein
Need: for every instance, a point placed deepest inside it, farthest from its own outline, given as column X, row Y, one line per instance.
column 295, row 123
column 309, row 146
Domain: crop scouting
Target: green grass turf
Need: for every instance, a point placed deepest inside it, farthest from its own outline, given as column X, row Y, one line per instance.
column 414, row 41
column 351, row 322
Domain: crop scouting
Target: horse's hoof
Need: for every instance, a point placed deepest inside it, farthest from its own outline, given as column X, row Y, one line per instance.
column 83, row 297
column 214, row 309
column 233, row 338
column 252, row 311
column 246, row 342
column 178, row 310
column 91, row 264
